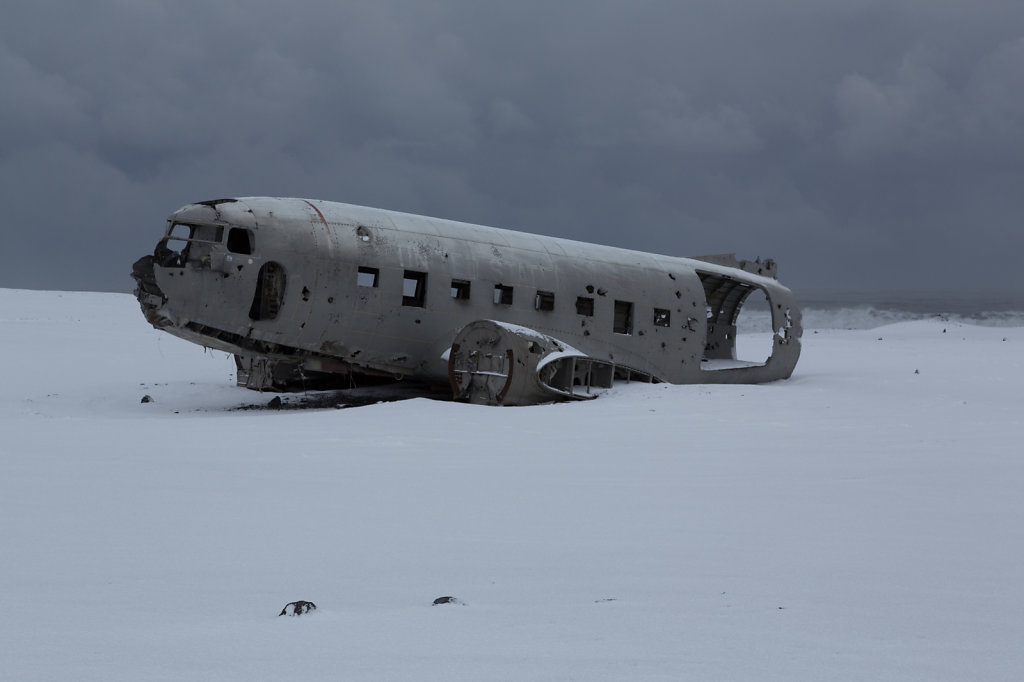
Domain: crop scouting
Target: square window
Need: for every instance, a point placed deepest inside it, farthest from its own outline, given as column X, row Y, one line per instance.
column 585, row 306
column 414, row 289
column 368, row 277
column 662, row 318
column 240, row 241
column 460, row 289
column 623, row 323
column 545, row 300
column 502, row 294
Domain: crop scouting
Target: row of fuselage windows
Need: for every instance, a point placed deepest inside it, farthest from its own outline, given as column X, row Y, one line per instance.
column 414, row 294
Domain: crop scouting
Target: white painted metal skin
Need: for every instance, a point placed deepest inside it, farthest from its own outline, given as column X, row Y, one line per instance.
column 325, row 321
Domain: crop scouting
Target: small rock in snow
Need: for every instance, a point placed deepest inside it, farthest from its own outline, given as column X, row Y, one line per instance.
column 275, row 403
column 147, row 399
column 446, row 600
column 297, row 608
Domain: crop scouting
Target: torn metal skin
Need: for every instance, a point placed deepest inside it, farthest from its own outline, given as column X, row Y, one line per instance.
column 307, row 293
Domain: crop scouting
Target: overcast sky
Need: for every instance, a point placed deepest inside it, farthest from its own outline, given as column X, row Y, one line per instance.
column 864, row 144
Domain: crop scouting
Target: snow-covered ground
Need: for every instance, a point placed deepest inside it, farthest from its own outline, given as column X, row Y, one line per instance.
column 861, row 521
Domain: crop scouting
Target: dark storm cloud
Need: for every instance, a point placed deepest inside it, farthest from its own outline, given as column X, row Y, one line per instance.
column 865, row 144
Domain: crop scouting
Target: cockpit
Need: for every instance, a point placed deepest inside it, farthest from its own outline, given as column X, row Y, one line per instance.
column 198, row 245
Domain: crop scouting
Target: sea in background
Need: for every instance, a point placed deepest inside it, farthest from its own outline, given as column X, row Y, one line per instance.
column 824, row 309
column 871, row 309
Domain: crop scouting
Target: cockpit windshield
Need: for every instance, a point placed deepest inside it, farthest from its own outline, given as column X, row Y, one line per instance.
column 188, row 243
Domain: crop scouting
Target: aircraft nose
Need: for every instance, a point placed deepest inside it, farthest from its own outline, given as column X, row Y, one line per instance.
column 147, row 291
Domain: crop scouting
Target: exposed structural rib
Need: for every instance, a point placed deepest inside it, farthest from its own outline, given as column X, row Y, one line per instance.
column 724, row 297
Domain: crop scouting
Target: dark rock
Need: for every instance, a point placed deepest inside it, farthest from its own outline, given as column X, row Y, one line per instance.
column 297, row 608
column 446, row 600
column 147, row 399
column 275, row 404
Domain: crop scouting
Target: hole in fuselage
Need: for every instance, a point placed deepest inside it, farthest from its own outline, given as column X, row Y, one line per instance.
column 269, row 296
column 754, row 342
column 738, row 323
column 186, row 243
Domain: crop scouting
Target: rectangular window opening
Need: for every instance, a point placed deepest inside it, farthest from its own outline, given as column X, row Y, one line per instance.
column 188, row 243
column 460, row 289
column 414, row 289
column 545, row 300
column 623, row 323
column 502, row 294
column 180, row 232
column 368, row 277
column 585, row 306
column 208, row 233
column 240, row 241
column 662, row 317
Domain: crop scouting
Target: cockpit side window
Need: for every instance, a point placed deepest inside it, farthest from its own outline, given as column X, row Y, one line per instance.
column 240, row 240
column 188, row 244
column 196, row 233
column 168, row 252
column 179, row 232
column 207, row 233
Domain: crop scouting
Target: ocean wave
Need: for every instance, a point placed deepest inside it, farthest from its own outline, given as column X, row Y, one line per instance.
column 870, row 317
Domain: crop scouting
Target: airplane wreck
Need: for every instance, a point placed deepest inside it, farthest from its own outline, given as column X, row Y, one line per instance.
column 305, row 293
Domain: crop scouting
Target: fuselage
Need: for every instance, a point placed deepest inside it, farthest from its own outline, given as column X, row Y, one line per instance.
column 336, row 287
